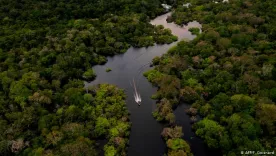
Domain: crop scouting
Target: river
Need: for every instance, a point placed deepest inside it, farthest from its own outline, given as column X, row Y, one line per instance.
column 145, row 138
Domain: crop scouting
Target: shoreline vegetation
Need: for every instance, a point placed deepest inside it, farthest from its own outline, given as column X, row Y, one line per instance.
column 108, row 69
column 47, row 50
column 227, row 74
column 194, row 31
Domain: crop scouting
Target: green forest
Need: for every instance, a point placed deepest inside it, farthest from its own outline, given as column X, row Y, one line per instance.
column 48, row 48
column 227, row 74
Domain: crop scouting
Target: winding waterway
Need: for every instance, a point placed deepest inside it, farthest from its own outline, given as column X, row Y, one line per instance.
column 145, row 138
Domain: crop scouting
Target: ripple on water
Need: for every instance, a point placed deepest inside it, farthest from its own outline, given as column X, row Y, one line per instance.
column 145, row 138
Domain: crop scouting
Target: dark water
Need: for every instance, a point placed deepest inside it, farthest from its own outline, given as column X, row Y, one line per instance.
column 197, row 145
column 145, row 138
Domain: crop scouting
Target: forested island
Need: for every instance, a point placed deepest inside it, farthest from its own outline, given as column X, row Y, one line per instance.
column 48, row 48
column 227, row 74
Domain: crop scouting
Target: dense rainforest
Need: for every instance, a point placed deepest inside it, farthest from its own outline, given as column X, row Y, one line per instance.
column 227, row 74
column 47, row 50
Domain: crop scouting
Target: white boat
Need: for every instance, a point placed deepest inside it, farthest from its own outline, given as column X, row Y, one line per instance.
column 137, row 96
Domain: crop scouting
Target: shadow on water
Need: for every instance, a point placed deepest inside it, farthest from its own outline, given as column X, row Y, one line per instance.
column 100, row 145
column 145, row 138
column 197, row 145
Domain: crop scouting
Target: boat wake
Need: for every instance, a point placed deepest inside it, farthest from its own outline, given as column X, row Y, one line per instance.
column 137, row 96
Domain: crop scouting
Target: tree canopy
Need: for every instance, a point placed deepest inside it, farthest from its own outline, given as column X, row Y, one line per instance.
column 228, row 75
column 47, row 50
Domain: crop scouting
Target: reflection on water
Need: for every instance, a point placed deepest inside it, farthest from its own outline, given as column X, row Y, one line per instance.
column 145, row 138
column 180, row 32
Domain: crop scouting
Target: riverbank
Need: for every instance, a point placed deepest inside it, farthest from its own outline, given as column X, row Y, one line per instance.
column 145, row 132
column 227, row 74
